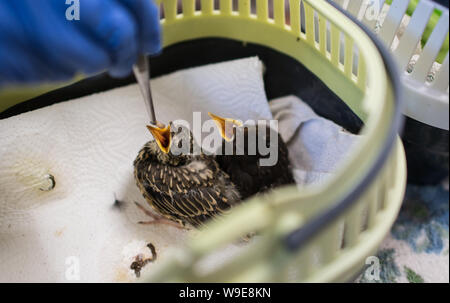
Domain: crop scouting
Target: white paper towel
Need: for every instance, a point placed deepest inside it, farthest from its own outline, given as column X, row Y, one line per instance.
column 89, row 145
column 74, row 233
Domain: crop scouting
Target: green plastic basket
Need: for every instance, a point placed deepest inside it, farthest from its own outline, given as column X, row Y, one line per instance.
column 324, row 232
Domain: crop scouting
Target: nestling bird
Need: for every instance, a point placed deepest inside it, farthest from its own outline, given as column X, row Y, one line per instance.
column 184, row 188
column 188, row 188
column 243, row 164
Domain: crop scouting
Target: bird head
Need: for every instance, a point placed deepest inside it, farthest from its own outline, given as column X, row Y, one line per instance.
column 174, row 142
column 227, row 126
column 162, row 135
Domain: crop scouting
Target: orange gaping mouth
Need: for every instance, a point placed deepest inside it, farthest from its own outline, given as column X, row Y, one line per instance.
column 225, row 126
column 162, row 136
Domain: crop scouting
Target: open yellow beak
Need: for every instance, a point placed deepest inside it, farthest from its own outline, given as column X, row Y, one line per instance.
column 162, row 136
column 225, row 126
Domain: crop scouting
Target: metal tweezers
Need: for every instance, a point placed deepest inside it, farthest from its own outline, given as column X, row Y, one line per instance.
column 142, row 73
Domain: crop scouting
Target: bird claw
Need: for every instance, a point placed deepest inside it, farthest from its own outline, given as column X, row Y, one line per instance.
column 157, row 219
column 162, row 221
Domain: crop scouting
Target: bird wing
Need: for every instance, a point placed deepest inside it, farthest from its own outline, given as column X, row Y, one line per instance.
column 199, row 172
column 193, row 192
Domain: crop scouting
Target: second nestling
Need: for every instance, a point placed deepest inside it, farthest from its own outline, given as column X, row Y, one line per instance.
column 193, row 188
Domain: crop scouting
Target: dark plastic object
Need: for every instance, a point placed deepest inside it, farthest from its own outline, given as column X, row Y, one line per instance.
column 442, row 2
column 426, row 152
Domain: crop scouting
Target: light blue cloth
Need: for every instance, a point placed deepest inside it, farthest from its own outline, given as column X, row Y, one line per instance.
column 316, row 145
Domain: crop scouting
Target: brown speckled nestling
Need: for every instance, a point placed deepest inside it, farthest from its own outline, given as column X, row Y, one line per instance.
column 194, row 188
column 182, row 188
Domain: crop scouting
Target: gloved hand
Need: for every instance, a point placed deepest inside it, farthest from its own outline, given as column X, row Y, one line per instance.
column 38, row 43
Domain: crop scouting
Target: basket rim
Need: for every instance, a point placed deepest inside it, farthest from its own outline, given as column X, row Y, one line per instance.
column 299, row 237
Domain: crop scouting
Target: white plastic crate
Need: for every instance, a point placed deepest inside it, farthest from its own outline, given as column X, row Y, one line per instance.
column 425, row 81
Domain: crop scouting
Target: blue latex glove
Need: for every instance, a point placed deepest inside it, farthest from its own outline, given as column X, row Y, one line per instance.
column 38, row 43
